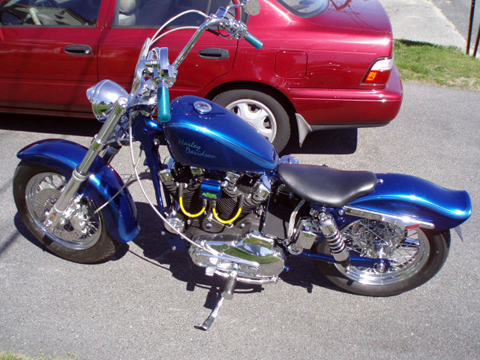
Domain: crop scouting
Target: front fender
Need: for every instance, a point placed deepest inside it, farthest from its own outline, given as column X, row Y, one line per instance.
column 102, row 184
column 403, row 195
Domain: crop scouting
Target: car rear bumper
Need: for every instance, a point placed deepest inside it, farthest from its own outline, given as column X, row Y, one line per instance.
column 343, row 108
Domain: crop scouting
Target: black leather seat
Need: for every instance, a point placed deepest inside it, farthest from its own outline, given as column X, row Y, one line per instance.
column 326, row 186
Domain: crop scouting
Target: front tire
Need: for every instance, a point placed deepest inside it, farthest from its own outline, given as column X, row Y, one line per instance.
column 414, row 255
column 83, row 238
column 260, row 110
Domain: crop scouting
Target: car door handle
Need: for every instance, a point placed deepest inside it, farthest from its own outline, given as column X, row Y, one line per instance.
column 214, row 53
column 78, row 49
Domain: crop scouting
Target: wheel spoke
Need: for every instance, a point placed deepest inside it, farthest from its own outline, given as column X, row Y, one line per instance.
column 406, row 252
column 82, row 229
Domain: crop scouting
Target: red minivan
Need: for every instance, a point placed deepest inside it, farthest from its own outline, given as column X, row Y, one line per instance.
column 325, row 64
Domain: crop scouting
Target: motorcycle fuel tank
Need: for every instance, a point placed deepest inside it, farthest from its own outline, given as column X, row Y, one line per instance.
column 205, row 135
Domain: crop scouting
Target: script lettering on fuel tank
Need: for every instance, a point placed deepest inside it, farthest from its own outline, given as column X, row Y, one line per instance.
column 195, row 149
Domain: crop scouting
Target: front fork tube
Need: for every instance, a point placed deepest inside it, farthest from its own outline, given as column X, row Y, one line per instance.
column 81, row 172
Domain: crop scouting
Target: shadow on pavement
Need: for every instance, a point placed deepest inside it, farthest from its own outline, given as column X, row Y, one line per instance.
column 340, row 142
column 157, row 249
column 24, row 232
column 50, row 124
column 319, row 142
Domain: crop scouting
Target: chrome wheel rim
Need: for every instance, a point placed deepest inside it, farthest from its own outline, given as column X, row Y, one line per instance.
column 82, row 227
column 256, row 114
column 406, row 250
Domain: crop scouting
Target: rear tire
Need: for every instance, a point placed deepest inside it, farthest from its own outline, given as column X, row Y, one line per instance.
column 83, row 238
column 260, row 110
column 415, row 256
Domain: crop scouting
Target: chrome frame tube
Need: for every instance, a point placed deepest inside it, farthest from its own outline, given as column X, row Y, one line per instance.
column 183, row 54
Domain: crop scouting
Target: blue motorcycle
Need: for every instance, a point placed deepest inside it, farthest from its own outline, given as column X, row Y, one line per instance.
column 240, row 208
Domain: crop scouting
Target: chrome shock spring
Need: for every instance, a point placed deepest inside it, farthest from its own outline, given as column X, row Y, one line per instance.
column 335, row 239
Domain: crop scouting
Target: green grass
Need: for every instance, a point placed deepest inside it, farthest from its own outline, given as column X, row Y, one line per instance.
column 436, row 65
column 10, row 356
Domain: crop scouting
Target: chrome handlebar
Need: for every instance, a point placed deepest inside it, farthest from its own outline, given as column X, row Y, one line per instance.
column 154, row 74
column 235, row 28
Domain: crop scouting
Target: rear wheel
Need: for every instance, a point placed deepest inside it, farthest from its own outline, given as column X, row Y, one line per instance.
column 82, row 238
column 414, row 257
column 260, row 110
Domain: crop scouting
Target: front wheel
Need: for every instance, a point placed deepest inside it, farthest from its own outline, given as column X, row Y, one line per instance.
column 260, row 110
column 83, row 238
column 414, row 257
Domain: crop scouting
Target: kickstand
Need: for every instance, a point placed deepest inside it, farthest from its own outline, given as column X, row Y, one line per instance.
column 226, row 294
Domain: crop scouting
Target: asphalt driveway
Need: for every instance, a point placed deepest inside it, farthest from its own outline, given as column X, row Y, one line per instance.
column 144, row 305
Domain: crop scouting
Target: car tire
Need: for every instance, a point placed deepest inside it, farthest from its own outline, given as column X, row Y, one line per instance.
column 262, row 111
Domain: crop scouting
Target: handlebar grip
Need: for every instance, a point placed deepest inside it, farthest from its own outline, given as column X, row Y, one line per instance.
column 254, row 41
column 164, row 103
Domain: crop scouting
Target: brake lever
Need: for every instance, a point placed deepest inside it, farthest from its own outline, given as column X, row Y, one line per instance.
column 158, row 64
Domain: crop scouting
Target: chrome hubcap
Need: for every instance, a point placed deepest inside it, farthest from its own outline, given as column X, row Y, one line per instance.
column 257, row 115
column 81, row 227
column 406, row 250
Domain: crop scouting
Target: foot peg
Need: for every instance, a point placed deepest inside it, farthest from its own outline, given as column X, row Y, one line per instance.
column 227, row 294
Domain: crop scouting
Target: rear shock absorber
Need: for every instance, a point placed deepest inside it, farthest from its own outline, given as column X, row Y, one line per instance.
column 334, row 238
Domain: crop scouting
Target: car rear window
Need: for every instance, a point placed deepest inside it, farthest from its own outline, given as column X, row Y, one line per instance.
column 304, row 8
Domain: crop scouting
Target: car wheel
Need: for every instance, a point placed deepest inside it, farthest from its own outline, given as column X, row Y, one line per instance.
column 260, row 110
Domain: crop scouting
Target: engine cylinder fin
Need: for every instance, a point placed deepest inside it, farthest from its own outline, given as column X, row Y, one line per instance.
column 192, row 204
column 235, row 217
column 227, row 206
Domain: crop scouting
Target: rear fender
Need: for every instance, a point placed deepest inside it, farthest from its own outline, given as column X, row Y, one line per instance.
column 102, row 184
column 415, row 201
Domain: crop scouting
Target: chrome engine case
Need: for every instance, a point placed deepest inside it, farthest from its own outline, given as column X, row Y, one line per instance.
column 251, row 255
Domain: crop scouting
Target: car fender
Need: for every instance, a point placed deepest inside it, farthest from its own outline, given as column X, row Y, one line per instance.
column 101, row 185
column 403, row 196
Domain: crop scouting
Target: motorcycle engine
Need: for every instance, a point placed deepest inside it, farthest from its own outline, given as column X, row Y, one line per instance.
column 221, row 212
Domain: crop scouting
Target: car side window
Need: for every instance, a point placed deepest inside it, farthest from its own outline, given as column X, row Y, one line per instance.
column 49, row 12
column 153, row 13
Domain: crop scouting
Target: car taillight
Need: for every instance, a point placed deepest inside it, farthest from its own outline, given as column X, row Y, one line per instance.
column 379, row 72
